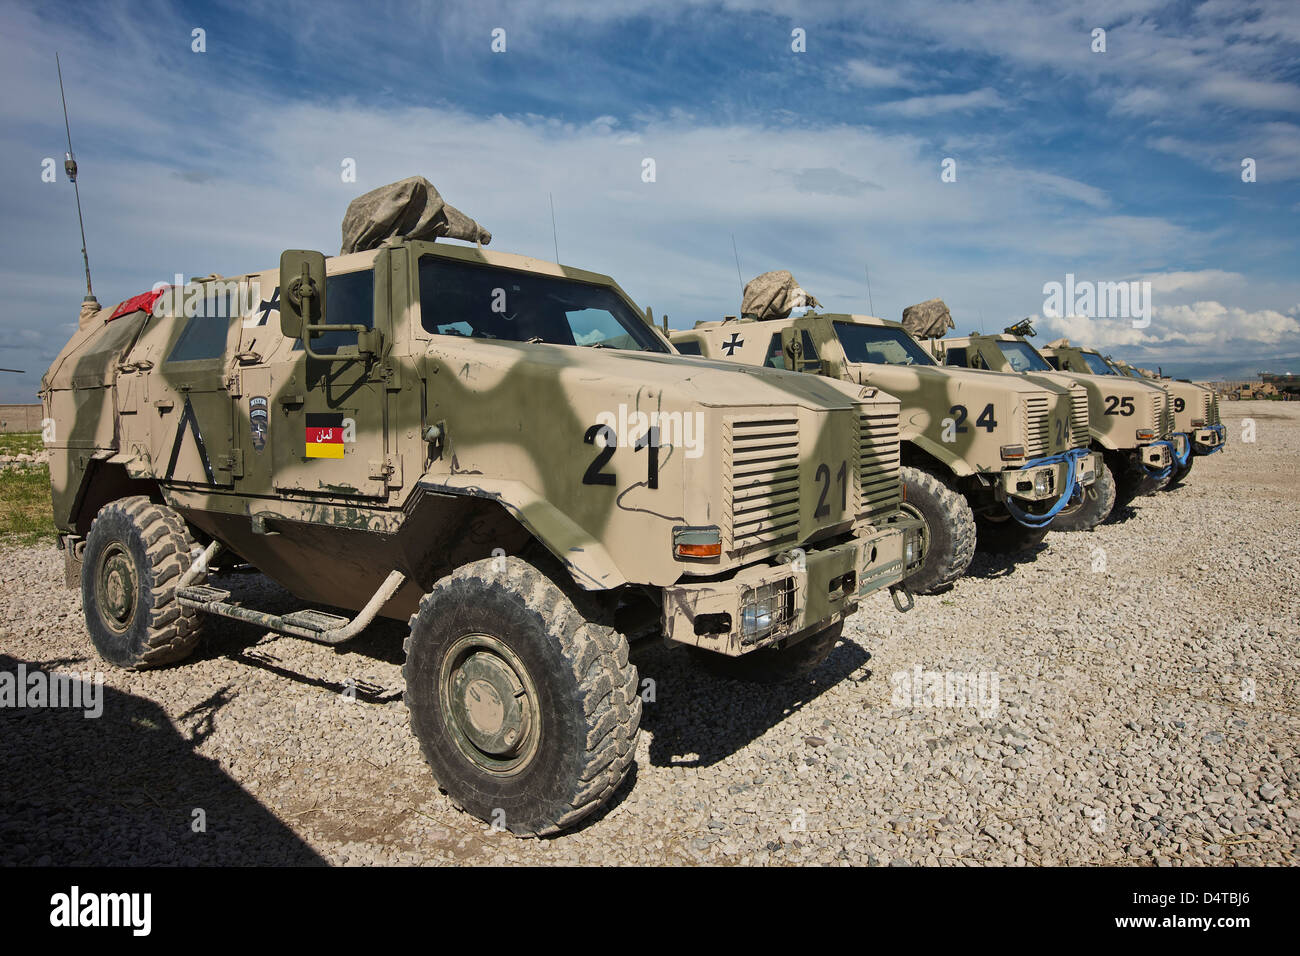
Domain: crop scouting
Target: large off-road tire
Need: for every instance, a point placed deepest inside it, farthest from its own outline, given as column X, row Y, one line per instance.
column 771, row 665
column 1178, row 475
column 135, row 555
column 1094, row 506
column 1133, row 482
column 949, row 535
column 1006, row 536
column 526, row 712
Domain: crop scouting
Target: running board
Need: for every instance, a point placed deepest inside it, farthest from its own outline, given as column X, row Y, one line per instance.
column 310, row 625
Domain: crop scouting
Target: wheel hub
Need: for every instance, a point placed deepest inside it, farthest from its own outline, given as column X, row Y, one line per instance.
column 490, row 704
column 116, row 588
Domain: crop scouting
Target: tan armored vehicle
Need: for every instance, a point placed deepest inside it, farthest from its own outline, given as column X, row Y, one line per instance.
column 1197, row 430
column 500, row 449
column 984, row 454
column 1132, row 421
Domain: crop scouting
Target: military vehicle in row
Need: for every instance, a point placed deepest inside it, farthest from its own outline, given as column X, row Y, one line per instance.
column 1139, row 445
column 504, row 452
column 986, row 458
column 1197, row 430
column 1129, row 423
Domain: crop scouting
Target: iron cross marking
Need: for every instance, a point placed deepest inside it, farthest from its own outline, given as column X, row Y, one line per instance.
column 730, row 345
column 268, row 307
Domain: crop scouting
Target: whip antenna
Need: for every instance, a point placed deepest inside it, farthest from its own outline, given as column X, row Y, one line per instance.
column 70, row 167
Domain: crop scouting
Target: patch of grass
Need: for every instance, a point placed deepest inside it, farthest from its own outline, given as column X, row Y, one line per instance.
column 20, row 443
column 26, row 516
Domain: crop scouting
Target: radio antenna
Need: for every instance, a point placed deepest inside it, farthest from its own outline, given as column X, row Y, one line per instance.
column 555, row 236
column 870, row 301
column 70, row 167
column 736, row 253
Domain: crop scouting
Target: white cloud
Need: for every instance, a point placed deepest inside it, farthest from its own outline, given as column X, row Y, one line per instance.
column 919, row 106
column 862, row 73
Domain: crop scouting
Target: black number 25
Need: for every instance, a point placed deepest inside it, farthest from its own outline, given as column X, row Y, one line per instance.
column 1116, row 407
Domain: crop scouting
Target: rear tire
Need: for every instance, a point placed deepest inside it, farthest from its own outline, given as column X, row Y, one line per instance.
column 525, row 711
column 135, row 554
column 1007, row 536
column 949, row 535
column 771, row 665
column 1093, row 509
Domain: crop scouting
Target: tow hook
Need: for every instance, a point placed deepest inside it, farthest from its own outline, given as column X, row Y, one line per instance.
column 895, row 590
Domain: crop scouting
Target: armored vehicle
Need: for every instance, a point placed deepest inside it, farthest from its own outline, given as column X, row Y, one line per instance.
column 500, row 450
column 985, row 456
column 1111, row 417
column 1197, row 430
column 1133, row 420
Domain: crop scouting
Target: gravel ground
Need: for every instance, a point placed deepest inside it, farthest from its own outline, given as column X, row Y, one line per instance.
column 1145, row 714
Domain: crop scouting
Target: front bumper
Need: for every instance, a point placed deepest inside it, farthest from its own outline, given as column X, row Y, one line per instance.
column 1158, row 456
column 1042, row 482
column 1208, row 440
column 812, row 590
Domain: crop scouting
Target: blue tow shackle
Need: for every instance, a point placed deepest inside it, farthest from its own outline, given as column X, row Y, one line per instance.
column 1070, row 457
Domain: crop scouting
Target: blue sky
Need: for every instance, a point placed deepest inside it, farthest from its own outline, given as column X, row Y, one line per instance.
column 1122, row 165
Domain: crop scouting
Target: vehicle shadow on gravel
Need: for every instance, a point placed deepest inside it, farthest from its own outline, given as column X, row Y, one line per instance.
column 988, row 565
column 124, row 788
column 698, row 720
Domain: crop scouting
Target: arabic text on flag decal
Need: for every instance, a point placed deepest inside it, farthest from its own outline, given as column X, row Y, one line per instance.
column 324, row 436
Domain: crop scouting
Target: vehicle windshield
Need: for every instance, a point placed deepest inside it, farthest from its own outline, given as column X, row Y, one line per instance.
column 1131, row 372
column 880, row 345
column 488, row 302
column 1096, row 364
column 1023, row 358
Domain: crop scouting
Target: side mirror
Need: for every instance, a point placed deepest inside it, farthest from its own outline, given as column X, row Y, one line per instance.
column 302, row 291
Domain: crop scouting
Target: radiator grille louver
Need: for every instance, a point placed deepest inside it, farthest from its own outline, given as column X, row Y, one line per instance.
column 1079, row 416
column 878, row 462
column 1037, row 427
column 764, row 458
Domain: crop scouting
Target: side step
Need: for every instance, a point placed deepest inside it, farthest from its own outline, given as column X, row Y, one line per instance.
column 310, row 625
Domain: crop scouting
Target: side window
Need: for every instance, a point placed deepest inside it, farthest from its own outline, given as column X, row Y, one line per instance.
column 775, row 354
column 1053, row 361
column 691, row 347
column 812, row 362
column 349, row 300
column 955, row 356
column 204, row 337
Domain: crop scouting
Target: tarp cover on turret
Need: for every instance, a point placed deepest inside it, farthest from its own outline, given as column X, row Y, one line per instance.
column 773, row 295
column 927, row 320
column 409, row 209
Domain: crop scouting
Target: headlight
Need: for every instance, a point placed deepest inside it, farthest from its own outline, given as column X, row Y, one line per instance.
column 758, row 610
column 909, row 550
column 1042, row 481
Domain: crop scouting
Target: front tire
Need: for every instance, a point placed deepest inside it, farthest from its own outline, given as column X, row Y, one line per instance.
column 1095, row 507
column 135, row 555
column 1006, row 536
column 949, row 533
column 771, row 665
column 525, row 711
column 1178, row 475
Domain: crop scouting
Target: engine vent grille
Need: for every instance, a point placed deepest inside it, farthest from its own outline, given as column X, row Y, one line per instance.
column 1037, row 427
column 878, row 461
column 1079, row 416
column 764, row 460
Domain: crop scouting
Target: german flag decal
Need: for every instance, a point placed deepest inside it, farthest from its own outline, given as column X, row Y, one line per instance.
column 324, row 436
